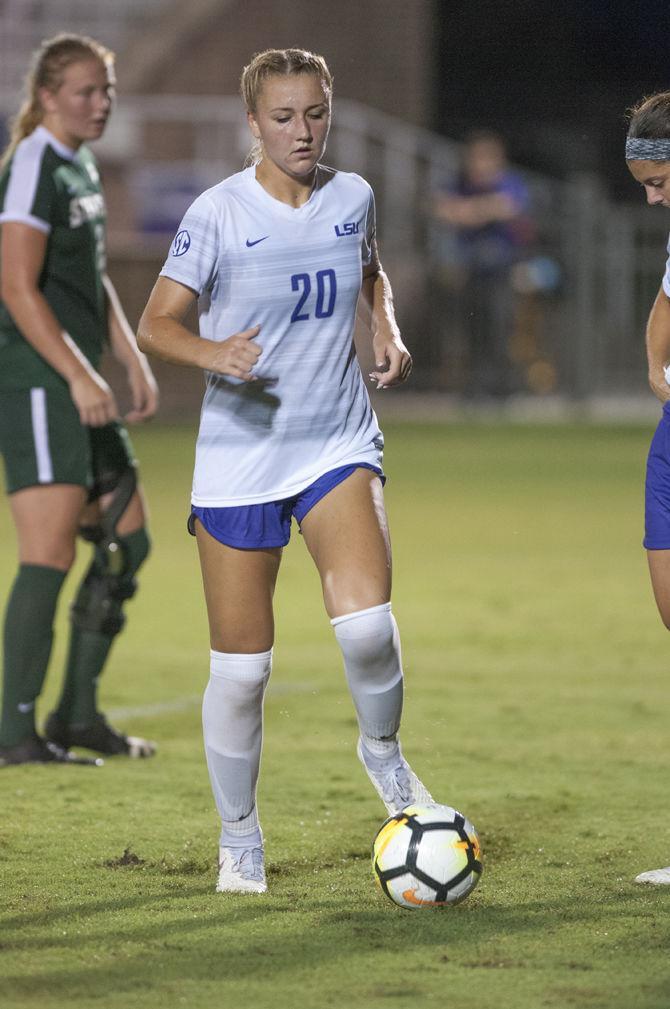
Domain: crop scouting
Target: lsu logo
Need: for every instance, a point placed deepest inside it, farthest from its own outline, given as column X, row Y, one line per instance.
column 351, row 228
column 180, row 244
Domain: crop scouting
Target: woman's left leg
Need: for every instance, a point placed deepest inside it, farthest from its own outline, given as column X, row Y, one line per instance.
column 115, row 523
column 97, row 617
column 346, row 533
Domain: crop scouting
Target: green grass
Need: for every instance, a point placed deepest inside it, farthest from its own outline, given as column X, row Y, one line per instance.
column 537, row 702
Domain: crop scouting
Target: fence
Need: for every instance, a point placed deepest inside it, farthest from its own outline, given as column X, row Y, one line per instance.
column 161, row 151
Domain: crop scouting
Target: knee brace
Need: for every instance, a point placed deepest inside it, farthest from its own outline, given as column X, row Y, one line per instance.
column 109, row 581
column 370, row 645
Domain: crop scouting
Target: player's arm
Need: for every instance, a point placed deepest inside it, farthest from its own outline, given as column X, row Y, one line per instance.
column 658, row 345
column 375, row 308
column 162, row 333
column 475, row 211
column 22, row 253
column 141, row 381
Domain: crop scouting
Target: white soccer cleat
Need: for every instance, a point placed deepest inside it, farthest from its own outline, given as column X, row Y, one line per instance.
column 241, row 870
column 659, row 877
column 396, row 786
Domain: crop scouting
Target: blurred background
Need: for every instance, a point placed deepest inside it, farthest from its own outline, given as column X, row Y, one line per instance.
column 523, row 259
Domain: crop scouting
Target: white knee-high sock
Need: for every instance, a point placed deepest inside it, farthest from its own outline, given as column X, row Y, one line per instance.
column 232, row 721
column 370, row 645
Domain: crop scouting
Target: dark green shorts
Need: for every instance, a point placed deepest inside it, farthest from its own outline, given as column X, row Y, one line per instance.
column 43, row 441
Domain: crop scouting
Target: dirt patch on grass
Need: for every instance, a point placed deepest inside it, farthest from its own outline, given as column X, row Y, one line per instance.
column 128, row 858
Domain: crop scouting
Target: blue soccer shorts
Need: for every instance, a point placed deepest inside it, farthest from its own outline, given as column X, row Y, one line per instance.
column 261, row 526
column 657, row 487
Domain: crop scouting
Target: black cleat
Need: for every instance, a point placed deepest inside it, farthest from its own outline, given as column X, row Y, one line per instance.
column 99, row 736
column 36, row 750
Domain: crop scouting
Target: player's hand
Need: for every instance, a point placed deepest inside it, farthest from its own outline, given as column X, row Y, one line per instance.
column 236, row 356
column 144, row 392
column 393, row 362
column 659, row 384
column 93, row 399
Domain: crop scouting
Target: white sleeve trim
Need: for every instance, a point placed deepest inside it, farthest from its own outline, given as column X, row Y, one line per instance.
column 30, row 219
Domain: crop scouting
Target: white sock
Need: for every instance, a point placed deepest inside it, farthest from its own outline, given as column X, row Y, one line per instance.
column 385, row 750
column 232, row 720
column 370, row 645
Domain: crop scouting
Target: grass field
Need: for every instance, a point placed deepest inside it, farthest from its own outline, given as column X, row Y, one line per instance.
column 537, row 702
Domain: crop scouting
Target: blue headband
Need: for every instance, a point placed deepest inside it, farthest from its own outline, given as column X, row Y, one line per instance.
column 638, row 149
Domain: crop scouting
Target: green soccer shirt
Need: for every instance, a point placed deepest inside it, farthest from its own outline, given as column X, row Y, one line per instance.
column 48, row 186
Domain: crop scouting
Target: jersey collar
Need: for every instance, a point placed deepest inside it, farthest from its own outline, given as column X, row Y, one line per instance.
column 60, row 148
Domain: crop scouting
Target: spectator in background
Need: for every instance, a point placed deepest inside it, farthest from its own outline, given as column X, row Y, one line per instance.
column 484, row 228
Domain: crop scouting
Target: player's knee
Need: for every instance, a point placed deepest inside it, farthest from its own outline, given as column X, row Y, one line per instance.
column 137, row 546
column 255, row 638
column 60, row 556
column 370, row 643
column 109, row 581
column 48, row 551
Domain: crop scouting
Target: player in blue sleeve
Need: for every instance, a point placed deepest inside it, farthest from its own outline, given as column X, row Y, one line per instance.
column 648, row 159
column 281, row 256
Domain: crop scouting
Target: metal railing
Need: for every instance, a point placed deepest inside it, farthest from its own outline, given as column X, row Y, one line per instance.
column 609, row 257
column 160, row 151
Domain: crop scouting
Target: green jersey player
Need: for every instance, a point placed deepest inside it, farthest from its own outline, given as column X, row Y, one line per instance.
column 68, row 462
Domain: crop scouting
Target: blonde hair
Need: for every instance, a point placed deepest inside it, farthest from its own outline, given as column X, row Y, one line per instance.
column 281, row 63
column 47, row 67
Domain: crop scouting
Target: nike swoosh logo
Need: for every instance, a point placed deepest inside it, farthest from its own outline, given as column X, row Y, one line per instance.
column 411, row 898
column 250, row 244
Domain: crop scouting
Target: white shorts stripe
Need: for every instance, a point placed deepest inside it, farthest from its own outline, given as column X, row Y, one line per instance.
column 38, row 411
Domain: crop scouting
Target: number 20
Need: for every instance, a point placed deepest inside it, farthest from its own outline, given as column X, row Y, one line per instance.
column 326, row 292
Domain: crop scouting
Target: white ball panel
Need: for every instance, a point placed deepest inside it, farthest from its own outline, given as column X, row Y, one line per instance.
column 440, row 856
column 391, row 847
column 432, row 812
column 465, row 887
column 409, row 892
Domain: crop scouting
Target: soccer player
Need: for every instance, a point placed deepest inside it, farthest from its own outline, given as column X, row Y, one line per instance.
column 648, row 159
column 277, row 256
column 68, row 462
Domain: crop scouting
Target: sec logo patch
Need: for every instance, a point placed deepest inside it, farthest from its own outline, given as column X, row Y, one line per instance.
column 181, row 243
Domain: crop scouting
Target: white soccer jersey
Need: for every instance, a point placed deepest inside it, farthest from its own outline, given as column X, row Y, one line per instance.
column 666, row 275
column 295, row 272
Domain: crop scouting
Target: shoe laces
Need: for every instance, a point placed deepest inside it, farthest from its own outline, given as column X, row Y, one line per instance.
column 249, row 863
column 396, row 783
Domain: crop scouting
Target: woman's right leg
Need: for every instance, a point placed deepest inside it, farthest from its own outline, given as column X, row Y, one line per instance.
column 659, row 571
column 239, row 588
column 46, row 520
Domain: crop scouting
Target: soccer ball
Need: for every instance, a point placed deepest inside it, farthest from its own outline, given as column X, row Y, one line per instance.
column 427, row 856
